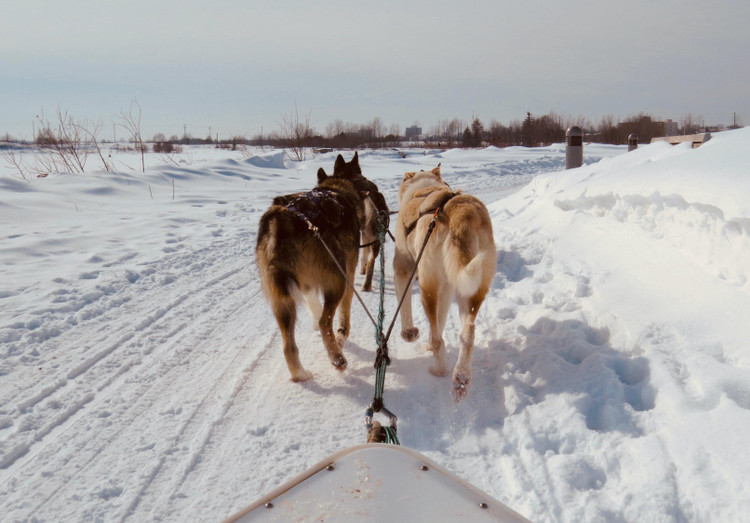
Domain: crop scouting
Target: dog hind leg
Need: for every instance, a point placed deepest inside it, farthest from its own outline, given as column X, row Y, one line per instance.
column 285, row 311
column 345, row 305
column 403, row 265
column 365, row 257
column 313, row 304
column 436, row 300
column 330, row 302
column 468, row 308
column 371, row 255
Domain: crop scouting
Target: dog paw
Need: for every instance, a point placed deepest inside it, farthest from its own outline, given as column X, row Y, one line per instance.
column 339, row 362
column 410, row 334
column 460, row 387
column 302, row 375
column 438, row 370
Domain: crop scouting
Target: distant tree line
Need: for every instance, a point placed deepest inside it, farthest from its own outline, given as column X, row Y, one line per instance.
column 533, row 131
column 296, row 133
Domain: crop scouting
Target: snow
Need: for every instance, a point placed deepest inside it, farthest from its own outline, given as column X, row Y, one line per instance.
column 141, row 373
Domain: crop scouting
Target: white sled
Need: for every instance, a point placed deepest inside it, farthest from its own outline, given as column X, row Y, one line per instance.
column 376, row 482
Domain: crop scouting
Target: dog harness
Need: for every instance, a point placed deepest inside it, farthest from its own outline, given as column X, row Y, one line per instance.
column 435, row 210
column 310, row 205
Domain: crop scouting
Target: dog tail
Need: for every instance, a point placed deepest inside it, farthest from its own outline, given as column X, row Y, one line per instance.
column 469, row 278
column 276, row 279
column 471, row 257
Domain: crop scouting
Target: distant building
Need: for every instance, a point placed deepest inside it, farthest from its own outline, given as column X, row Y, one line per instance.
column 413, row 132
column 670, row 128
column 646, row 129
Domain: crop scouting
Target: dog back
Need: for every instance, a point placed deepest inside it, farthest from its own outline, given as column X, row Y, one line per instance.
column 289, row 253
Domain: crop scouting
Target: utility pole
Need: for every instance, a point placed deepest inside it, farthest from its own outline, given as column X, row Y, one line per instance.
column 184, row 133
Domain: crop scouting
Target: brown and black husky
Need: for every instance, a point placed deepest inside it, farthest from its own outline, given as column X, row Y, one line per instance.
column 295, row 265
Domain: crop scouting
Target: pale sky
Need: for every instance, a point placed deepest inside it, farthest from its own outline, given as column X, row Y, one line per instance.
column 238, row 66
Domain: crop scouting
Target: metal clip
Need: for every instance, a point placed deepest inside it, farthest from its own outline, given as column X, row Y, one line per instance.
column 376, row 433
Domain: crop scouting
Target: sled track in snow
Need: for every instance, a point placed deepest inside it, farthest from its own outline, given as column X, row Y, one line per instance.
column 135, row 350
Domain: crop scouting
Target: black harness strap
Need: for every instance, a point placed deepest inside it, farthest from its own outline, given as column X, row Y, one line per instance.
column 309, row 205
column 410, row 228
column 370, row 244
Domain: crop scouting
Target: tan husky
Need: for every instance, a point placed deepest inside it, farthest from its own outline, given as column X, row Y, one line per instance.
column 458, row 262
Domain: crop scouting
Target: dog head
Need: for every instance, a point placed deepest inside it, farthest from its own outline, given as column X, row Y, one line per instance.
column 352, row 172
column 435, row 173
column 342, row 169
column 347, row 170
column 414, row 181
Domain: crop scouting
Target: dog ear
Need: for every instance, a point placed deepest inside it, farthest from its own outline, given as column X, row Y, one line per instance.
column 322, row 176
column 339, row 166
column 354, row 168
column 436, row 170
column 408, row 176
column 281, row 200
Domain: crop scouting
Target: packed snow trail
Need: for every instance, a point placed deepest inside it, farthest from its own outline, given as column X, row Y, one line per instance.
column 141, row 373
column 150, row 351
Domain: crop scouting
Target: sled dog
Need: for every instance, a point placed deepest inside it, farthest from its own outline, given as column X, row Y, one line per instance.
column 458, row 262
column 295, row 266
column 376, row 209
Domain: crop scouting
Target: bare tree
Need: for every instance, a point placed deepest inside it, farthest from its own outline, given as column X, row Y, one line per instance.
column 608, row 129
column 92, row 133
column 66, row 143
column 15, row 161
column 131, row 122
column 61, row 146
column 335, row 128
column 691, row 123
column 378, row 128
column 296, row 132
column 453, row 130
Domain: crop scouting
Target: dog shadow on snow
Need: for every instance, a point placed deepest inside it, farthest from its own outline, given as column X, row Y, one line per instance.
column 605, row 388
column 517, row 370
column 517, row 367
